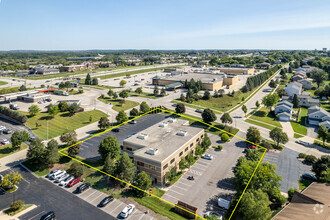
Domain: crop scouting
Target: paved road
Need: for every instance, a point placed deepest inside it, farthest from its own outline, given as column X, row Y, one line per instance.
column 49, row 197
column 89, row 148
column 288, row 167
column 212, row 178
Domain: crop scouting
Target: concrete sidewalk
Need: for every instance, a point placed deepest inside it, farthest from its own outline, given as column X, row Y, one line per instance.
column 286, row 125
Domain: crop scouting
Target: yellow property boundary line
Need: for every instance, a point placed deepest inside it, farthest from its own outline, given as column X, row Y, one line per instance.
column 162, row 110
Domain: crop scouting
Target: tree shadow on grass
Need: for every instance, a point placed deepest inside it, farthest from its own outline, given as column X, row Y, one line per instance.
column 46, row 117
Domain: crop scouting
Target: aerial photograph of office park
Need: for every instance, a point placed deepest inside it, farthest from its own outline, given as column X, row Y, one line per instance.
column 162, row 110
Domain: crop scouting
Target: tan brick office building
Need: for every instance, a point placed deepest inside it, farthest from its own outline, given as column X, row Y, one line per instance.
column 237, row 71
column 160, row 147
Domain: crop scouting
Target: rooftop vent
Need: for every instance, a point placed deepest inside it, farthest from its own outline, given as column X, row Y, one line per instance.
column 142, row 136
column 172, row 120
column 182, row 133
column 163, row 125
column 152, row 151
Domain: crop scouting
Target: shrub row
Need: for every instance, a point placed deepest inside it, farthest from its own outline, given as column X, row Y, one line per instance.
column 13, row 114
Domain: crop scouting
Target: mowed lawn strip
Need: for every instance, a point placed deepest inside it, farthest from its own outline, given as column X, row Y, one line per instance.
column 117, row 105
column 7, row 149
column 264, row 115
column 299, row 126
column 61, row 122
column 3, row 83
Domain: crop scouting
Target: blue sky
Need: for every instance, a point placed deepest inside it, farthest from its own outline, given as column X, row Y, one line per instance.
column 152, row 24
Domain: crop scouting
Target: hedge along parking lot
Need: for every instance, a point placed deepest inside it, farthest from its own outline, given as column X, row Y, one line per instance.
column 161, row 201
column 61, row 122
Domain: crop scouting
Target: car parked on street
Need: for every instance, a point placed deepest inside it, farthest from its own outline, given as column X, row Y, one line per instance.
column 106, row 201
column 127, row 211
column 199, row 110
column 7, row 131
column 73, row 182
column 304, row 143
column 132, row 122
column 115, row 130
column 251, row 146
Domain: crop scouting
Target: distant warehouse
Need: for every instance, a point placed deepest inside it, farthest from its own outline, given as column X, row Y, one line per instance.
column 237, row 71
column 160, row 147
column 210, row 82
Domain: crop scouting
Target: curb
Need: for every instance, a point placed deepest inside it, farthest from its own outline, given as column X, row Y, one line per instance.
column 29, row 170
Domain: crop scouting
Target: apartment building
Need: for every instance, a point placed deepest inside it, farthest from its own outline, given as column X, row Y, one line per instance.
column 160, row 147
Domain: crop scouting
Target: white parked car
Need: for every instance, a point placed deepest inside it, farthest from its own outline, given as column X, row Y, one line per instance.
column 207, row 156
column 5, row 141
column 52, row 172
column 127, row 210
column 62, row 177
column 199, row 110
column 66, row 181
column 56, row 175
column 2, row 127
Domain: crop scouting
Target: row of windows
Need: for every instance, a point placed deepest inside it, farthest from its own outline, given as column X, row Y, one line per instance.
column 141, row 164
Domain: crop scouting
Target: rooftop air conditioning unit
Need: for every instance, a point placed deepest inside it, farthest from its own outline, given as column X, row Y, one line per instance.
column 142, row 136
column 172, row 120
column 152, row 151
column 182, row 133
column 163, row 125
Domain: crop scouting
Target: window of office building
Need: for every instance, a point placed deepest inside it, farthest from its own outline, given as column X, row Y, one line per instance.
column 185, row 149
column 140, row 163
column 165, row 166
column 192, row 144
column 172, row 160
column 180, row 154
column 152, row 167
column 129, row 149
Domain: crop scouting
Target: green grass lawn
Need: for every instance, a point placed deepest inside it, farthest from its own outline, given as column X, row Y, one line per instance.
column 299, row 126
column 134, row 72
column 146, row 95
column 303, row 184
column 295, row 135
column 270, row 127
column 264, row 115
column 156, row 204
column 61, row 122
column 325, row 105
column 117, row 105
column 101, row 87
column 3, row 83
column 7, row 149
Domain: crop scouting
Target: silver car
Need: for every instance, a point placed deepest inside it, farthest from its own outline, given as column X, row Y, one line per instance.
column 60, row 178
column 207, row 156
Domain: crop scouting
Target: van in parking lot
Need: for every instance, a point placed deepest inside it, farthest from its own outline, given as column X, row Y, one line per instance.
column 57, row 174
column 52, row 172
column 223, row 203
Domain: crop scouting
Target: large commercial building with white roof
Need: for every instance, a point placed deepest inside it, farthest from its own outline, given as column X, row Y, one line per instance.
column 160, row 147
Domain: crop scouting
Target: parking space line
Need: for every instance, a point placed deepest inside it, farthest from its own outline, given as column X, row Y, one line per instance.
column 199, row 168
column 36, row 215
column 89, row 194
column 117, row 206
column 180, row 187
column 132, row 214
column 96, row 197
column 199, row 163
column 184, row 183
column 142, row 216
column 175, row 192
column 171, row 196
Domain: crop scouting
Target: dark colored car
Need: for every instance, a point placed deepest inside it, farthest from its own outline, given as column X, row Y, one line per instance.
column 106, row 201
column 115, row 130
column 83, row 187
column 7, row 131
column 73, row 182
column 308, row 176
column 48, row 216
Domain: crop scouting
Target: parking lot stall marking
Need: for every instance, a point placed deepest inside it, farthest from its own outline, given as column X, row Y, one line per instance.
column 101, row 194
column 202, row 164
column 171, row 196
column 36, row 215
column 179, row 187
column 195, row 172
column 173, row 113
column 183, row 183
column 82, row 195
column 132, row 214
column 142, row 216
column 171, row 190
column 196, row 167
column 120, row 203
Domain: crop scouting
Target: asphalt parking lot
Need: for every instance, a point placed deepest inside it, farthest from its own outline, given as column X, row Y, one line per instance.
column 288, row 167
column 12, row 126
column 94, row 197
column 212, row 179
column 49, row 197
column 89, row 148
